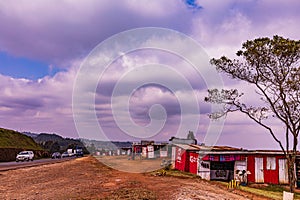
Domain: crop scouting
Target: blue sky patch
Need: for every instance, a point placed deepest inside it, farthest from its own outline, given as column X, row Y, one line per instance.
column 17, row 67
column 192, row 4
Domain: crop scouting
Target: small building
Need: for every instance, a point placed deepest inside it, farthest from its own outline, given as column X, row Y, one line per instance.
column 185, row 158
column 227, row 163
column 267, row 167
column 149, row 150
column 222, row 163
column 177, row 141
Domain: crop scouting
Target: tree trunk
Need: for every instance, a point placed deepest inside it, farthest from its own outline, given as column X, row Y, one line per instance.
column 291, row 173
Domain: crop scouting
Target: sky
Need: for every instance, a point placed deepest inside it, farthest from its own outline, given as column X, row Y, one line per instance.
column 144, row 93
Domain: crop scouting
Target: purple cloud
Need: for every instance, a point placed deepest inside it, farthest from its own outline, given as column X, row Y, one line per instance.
column 63, row 33
column 60, row 31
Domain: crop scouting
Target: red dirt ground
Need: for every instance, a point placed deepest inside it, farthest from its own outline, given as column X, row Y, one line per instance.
column 87, row 178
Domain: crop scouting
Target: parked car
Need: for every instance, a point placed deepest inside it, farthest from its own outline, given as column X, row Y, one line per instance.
column 25, row 155
column 70, row 152
column 78, row 152
column 65, row 154
column 56, row 155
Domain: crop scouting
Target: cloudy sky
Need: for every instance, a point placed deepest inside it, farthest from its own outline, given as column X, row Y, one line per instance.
column 46, row 46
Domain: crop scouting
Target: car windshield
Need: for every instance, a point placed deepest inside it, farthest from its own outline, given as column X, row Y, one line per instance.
column 23, row 153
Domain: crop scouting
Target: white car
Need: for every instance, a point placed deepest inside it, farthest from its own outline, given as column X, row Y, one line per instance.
column 25, row 155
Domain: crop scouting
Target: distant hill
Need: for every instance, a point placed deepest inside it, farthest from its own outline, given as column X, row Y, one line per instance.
column 33, row 135
column 43, row 137
column 13, row 139
column 106, row 145
column 54, row 142
column 12, row 142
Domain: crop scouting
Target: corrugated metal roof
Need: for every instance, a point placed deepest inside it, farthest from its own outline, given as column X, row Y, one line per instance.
column 217, row 148
column 187, row 147
column 175, row 140
column 226, row 150
column 247, row 152
column 273, row 152
column 223, row 152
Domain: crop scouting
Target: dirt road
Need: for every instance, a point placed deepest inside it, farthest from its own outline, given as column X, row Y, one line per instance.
column 4, row 166
column 87, row 178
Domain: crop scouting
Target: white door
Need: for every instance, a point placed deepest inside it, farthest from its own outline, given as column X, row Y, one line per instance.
column 283, row 171
column 173, row 156
column 240, row 169
column 259, row 170
column 204, row 169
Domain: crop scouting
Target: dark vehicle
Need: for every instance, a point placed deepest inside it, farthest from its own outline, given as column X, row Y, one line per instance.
column 65, row 154
column 56, row 155
column 78, row 152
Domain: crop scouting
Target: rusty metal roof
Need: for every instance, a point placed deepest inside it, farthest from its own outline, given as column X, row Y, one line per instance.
column 226, row 150
column 187, row 147
column 217, row 148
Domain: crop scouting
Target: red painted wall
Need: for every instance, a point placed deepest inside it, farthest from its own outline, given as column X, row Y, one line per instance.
column 180, row 159
column 193, row 162
column 251, row 168
column 186, row 161
column 270, row 176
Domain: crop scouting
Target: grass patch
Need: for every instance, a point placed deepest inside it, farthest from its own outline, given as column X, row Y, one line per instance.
column 267, row 190
column 274, row 191
column 266, row 193
column 174, row 173
column 13, row 139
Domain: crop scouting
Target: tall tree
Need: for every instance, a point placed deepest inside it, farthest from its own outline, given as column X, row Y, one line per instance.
column 272, row 66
